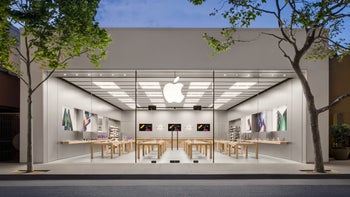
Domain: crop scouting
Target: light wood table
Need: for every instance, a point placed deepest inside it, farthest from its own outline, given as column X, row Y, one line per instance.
column 245, row 146
column 103, row 144
column 188, row 146
column 149, row 144
column 222, row 145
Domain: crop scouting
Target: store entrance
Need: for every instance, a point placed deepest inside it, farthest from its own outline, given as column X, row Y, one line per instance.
column 175, row 117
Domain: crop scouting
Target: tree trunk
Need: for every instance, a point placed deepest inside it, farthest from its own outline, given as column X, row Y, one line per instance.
column 319, row 166
column 29, row 134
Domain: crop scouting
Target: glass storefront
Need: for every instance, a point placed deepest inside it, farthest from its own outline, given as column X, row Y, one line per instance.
column 172, row 116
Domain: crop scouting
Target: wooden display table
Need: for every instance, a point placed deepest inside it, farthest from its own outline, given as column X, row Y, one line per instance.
column 188, row 146
column 81, row 141
column 103, row 144
column 222, row 145
column 244, row 145
column 149, row 145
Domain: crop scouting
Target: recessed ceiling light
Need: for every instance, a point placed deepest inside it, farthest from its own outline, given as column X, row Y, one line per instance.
column 230, row 94
column 191, row 100
column 154, row 94
column 222, row 100
column 106, row 85
column 100, row 75
column 199, row 85
column 118, row 94
column 64, row 74
column 284, row 75
column 76, row 74
column 149, row 85
column 89, row 74
column 242, row 85
column 112, row 75
column 225, row 75
column 124, row 75
column 195, row 94
column 126, row 100
column 157, row 100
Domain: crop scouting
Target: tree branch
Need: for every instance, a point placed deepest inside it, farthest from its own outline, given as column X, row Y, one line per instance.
column 46, row 78
column 336, row 101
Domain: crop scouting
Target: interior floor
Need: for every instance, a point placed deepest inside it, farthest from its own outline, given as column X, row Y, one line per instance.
column 171, row 155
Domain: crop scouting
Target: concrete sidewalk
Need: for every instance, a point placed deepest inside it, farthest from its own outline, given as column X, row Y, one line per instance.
column 338, row 169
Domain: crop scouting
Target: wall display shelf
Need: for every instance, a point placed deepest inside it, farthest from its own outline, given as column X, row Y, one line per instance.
column 113, row 133
column 234, row 130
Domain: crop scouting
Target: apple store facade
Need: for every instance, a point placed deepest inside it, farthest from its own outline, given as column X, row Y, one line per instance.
column 161, row 97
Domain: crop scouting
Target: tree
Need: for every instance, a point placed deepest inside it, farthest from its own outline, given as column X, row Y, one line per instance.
column 53, row 32
column 321, row 21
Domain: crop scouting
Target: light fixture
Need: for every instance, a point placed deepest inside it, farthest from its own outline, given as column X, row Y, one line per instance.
column 191, row 100
column 126, row 100
column 157, row 100
column 106, row 85
column 242, row 85
column 211, row 105
column 64, row 74
column 230, row 94
column 172, row 91
column 154, row 94
column 222, row 100
column 195, row 94
column 118, row 94
column 149, row 85
column 199, row 85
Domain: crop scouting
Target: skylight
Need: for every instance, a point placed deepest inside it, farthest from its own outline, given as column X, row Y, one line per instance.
column 199, row 85
column 149, row 85
column 242, row 85
column 230, row 94
column 195, row 94
column 191, row 100
column 118, row 94
column 106, row 85
column 154, row 94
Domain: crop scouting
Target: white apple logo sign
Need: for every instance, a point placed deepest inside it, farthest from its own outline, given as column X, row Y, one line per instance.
column 172, row 91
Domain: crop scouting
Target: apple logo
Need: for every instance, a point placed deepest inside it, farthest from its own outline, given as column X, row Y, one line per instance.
column 172, row 91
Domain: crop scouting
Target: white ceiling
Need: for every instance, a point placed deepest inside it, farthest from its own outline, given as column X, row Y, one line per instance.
column 123, row 94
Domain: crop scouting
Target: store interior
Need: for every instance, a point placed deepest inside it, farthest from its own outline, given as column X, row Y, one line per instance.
column 174, row 116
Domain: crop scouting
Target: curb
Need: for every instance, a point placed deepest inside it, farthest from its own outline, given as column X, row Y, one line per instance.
column 168, row 176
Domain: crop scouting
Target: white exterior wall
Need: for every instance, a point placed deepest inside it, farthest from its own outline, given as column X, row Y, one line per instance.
column 184, row 49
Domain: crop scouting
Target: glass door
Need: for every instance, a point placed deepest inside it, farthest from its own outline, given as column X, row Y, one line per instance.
column 175, row 116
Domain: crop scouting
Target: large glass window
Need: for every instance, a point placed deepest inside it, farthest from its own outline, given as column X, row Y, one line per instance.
column 173, row 116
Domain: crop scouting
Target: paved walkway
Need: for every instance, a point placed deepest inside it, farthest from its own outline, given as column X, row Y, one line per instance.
column 336, row 167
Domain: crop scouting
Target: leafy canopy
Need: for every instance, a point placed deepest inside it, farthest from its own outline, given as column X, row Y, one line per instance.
column 323, row 20
column 54, row 31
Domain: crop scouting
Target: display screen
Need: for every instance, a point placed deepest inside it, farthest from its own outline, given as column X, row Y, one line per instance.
column 174, row 127
column 203, row 127
column 145, row 127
